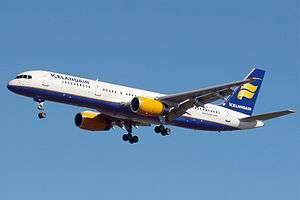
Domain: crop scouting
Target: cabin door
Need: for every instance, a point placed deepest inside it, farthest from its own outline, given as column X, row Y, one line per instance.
column 227, row 117
column 98, row 89
column 45, row 81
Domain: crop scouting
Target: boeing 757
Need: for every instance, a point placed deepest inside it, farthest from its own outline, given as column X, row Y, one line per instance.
column 111, row 105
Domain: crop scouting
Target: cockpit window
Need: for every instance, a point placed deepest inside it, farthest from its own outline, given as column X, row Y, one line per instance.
column 24, row 76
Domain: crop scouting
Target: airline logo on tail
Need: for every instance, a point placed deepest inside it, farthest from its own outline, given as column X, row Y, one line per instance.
column 247, row 90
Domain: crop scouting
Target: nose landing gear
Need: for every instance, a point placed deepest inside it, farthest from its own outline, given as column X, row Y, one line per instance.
column 41, row 108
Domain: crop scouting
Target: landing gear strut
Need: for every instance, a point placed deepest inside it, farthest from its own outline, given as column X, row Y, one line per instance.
column 41, row 108
column 129, row 137
column 162, row 130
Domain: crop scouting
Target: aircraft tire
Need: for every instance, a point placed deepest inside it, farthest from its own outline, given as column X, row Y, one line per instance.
column 133, row 139
column 157, row 129
column 126, row 137
column 42, row 115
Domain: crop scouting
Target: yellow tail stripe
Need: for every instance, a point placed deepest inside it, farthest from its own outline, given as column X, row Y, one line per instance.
column 245, row 93
column 250, row 87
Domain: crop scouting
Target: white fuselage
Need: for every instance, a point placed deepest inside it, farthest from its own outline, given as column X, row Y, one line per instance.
column 113, row 100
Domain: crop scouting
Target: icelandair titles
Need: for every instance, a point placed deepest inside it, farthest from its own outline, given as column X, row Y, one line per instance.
column 233, row 105
column 68, row 78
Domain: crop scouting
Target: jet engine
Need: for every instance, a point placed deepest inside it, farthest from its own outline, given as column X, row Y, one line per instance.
column 92, row 121
column 147, row 106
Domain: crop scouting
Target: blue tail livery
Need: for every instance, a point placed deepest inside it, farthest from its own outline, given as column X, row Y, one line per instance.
column 244, row 97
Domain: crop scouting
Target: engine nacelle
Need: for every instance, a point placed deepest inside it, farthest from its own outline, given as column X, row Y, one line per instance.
column 147, row 106
column 92, row 121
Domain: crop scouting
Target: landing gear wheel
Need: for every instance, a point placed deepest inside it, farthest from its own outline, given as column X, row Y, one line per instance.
column 42, row 115
column 162, row 130
column 165, row 132
column 129, row 137
column 157, row 129
column 168, row 131
column 126, row 137
column 133, row 139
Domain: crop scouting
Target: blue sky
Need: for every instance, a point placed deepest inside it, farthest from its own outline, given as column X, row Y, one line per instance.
column 165, row 46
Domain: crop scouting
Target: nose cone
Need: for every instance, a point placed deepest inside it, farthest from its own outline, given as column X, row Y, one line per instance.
column 12, row 86
column 9, row 85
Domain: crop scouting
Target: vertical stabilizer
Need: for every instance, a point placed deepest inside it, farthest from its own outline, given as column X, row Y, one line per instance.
column 244, row 97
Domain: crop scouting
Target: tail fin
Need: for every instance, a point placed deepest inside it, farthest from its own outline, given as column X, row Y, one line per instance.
column 244, row 97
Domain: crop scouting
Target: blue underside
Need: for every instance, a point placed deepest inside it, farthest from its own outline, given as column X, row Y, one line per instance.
column 114, row 109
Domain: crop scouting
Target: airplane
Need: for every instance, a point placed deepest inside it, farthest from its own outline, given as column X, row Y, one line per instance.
column 110, row 105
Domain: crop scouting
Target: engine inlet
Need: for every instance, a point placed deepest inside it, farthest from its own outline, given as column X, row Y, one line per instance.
column 78, row 119
column 135, row 104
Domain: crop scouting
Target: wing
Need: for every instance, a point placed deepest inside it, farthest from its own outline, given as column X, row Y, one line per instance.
column 206, row 94
column 181, row 102
column 120, row 122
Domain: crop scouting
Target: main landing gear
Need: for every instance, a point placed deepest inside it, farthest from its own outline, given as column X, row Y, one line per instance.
column 41, row 108
column 162, row 130
column 129, row 137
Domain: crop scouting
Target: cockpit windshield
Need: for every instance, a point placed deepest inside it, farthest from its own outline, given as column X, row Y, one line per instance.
column 24, row 76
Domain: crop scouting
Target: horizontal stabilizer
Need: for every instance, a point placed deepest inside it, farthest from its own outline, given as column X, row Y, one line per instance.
column 267, row 116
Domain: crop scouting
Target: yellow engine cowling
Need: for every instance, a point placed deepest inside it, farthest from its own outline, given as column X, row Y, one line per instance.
column 92, row 121
column 147, row 106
